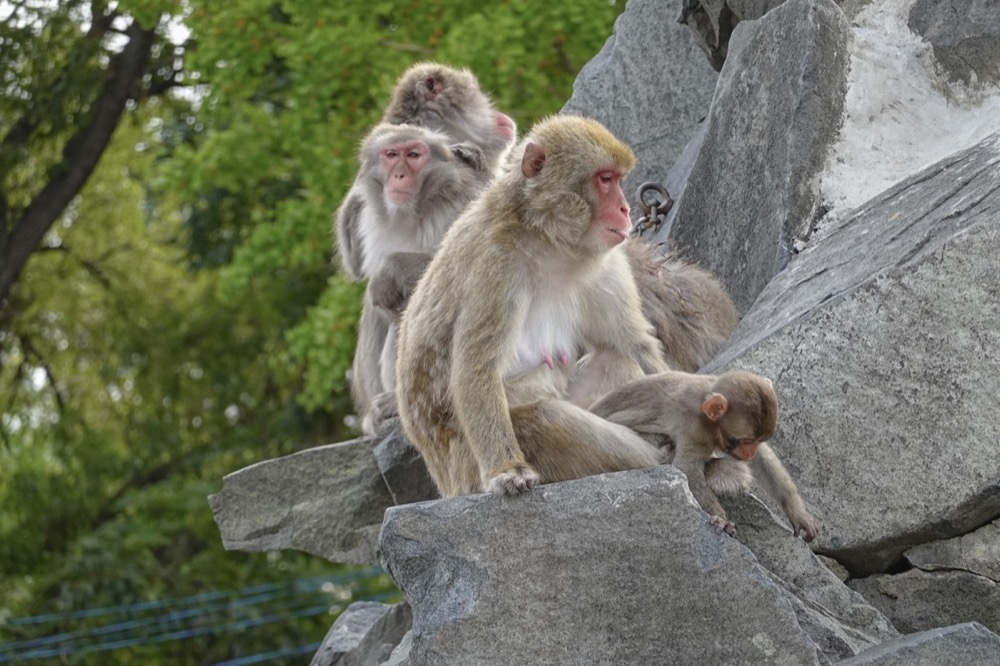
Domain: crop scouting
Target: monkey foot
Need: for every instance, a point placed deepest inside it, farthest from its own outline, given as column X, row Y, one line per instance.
column 722, row 525
column 513, row 482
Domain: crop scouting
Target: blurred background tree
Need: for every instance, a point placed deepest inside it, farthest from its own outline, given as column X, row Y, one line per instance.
column 169, row 308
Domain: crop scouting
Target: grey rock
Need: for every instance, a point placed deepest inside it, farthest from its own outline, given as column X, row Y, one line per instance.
column 977, row 552
column 616, row 568
column 403, row 469
column 967, row 644
column 401, row 654
column 754, row 187
column 712, row 22
column 883, row 341
column 836, row 567
column 365, row 634
column 649, row 85
column 841, row 620
column 965, row 36
column 327, row 501
column 919, row 600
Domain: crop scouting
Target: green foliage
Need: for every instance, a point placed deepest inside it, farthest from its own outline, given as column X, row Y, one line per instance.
column 185, row 317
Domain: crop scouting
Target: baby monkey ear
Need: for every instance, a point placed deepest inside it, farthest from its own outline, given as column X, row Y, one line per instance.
column 715, row 406
column 533, row 160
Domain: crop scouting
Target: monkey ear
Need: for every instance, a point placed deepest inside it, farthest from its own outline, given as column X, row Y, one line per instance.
column 533, row 160
column 715, row 406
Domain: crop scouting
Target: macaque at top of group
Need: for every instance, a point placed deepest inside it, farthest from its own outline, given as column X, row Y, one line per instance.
column 731, row 414
column 450, row 101
column 528, row 280
column 449, row 104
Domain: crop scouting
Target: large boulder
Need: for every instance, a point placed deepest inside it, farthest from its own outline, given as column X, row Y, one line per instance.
column 616, row 568
column 754, row 187
column 882, row 340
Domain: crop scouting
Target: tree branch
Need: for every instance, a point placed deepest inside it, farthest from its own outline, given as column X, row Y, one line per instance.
column 80, row 156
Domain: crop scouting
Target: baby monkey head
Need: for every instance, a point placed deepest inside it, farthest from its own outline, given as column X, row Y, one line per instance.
column 744, row 409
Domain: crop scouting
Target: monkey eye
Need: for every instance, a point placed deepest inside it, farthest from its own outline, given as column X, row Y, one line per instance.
column 391, row 153
column 413, row 153
column 606, row 176
column 734, row 442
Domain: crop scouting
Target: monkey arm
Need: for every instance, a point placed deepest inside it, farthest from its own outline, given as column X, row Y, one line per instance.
column 485, row 334
column 348, row 219
column 395, row 279
column 778, row 483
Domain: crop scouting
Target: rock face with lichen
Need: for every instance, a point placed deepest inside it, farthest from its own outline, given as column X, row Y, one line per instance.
column 838, row 166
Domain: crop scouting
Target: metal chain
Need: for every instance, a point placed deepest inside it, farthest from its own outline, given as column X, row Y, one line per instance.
column 654, row 212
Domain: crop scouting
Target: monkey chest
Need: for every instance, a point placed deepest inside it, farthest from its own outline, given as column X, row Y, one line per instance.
column 549, row 335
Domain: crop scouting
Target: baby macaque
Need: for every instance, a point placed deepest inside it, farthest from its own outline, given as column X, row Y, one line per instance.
column 703, row 415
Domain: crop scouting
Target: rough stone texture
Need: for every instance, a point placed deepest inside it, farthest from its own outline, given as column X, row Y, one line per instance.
column 649, row 85
column 327, row 501
column 968, row 644
column 365, row 634
column 401, row 655
column 965, row 35
column 712, row 22
column 977, row 552
column 884, row 339
column 754, row 187
column 840, row 620
column 918, row 600
column 404, row 470
column 490, row 580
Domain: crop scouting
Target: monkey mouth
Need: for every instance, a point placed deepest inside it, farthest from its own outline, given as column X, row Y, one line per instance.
column 621, row 233
column 400, row 196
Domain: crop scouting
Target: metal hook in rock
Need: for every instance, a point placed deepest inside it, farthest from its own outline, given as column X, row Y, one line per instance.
column 654, row 212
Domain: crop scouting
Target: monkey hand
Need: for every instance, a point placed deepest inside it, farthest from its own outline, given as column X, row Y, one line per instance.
column 518, row 479
column 721, row 525
column 384, row 408
column 804, row 524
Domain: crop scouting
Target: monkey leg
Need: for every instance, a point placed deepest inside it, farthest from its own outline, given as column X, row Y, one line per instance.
column 563, row 441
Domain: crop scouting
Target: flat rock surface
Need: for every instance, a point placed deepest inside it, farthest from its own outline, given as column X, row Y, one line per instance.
column 327, row 501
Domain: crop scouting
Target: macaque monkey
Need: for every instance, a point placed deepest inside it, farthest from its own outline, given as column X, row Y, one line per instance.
column 691, row 313
column 525, row 316
column 703, row 415
column 414, row 183
column 450, row 101
column 438, row 98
